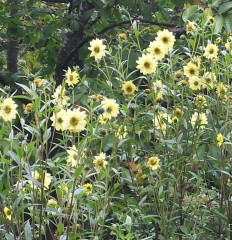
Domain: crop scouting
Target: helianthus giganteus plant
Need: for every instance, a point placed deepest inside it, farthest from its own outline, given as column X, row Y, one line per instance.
column 137, row 145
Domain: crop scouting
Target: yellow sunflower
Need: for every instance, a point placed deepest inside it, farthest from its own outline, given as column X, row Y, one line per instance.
column 88, row 187
column 58, row 120
column 38, row 82
column 191, row 70
column 121, row 132
column 160, row 121
column 71, row 77
column 8, row 212
column 200, row 101
column 73, row 158
column 8, row 109
column 195, row 83
column 166, row 38
column 97, row 49
column 60, row 96
column 220, row 139
column 178, row 112
column 209, row 80
column 128, row 88
column 157, row 50
column 52, row 203
column 100, row 161
column 221, row 90
column 211, row 51
column 158, row 89
column 43, row 178
column 75, row 120
column 190, row 27
column 228, row 44
column 110, row 107
column 146, row 64
column 199, row 119
column 153, row 163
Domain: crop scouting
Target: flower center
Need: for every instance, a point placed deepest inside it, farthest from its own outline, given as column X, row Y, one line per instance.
column 129, row 89
column 59, row 120
column 157, row 51
column 109, row 109
column 211, row 51
column 7, row 109
column 96, row 49
column 74, row 121
column 192, row 71
column 196, row 83
column 222, row 92
column 100, row 163
column 8, row 212
column 147, row 65
column 153, row 162
column 165, row 40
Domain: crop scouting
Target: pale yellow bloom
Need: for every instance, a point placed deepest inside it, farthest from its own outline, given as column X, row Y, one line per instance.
column 200, row 101
column 8, row 212
column 102, row 119
column 28, row 107
column 52, row 203
column 160, row 121
column 58, row 120
column 60, row 96
column 88, row 187
column 110, row 107
column 166, row 38
column 221, row 90
column 211, row 51
column 157, row 50
column 178, row 112
column 38, row 82
column 122, row 35
column 71, row 77
column 209, row 80
column 196, row 61
column 191, row 70
column 199, row 119
column 159, row 89
column 73, row 158
column 97, row 49
column 195, row 83
column 190, row 27
column 153, row 163
column 220, row 139
column 228, row 44
column 128, row 88
column 146, row 64
column 75, row 120
column 100, row 161
column 8, row 109
column 121, row 132
column 45, row 179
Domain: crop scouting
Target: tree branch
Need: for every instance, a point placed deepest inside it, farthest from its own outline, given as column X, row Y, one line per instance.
column 113, row 25
column 57, row 1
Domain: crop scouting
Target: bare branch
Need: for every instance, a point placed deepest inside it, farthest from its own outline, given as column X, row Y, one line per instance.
column 111, row 26
column 57, row 1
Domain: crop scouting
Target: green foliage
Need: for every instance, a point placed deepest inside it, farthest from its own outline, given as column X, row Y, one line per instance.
column 94, row 158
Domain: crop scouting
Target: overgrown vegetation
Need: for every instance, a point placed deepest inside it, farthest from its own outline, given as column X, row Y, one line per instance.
column 134, row 143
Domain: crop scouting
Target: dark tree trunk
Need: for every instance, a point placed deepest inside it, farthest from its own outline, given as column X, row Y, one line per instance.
column 74, row 38
column 12, row 42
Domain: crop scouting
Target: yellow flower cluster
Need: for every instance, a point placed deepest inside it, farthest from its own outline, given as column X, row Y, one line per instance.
column 73, row 120
column 156, row 51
